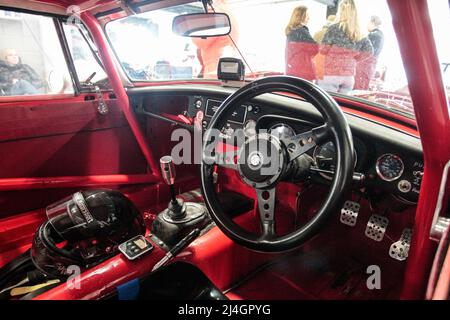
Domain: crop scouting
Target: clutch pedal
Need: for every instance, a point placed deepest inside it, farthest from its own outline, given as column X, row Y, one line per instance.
column 376, row 227
column 399, row 250
column 349, row 213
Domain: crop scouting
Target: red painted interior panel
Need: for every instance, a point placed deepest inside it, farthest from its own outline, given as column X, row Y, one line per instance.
column 62, row 138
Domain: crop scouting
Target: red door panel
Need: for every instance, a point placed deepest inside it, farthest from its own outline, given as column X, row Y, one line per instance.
column 62, row 138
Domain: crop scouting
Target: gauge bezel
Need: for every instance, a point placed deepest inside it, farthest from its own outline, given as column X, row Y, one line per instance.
column 281, row 124
column 379, row 173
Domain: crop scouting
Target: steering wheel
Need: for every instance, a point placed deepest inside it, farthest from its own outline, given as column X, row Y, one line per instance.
column 264, row 160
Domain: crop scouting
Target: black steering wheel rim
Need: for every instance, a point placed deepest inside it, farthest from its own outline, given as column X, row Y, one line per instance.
column 336, row 126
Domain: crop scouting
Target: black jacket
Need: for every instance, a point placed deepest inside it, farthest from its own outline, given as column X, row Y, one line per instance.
column 19, row 71
column 342, row 53
column 377, row 38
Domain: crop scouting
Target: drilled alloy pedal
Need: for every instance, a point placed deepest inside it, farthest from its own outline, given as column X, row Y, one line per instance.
column 376, row 227
column 399, row 250
column 349, row 213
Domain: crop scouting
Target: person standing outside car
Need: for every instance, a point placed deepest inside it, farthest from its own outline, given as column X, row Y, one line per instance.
column 319, row 59
column 300, row 46
column 17, row 78
column 344, row 47
column 318, row 36
column 376, row 36
column 366, row 69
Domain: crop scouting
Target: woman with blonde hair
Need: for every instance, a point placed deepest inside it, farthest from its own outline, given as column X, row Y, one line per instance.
column 344, row 46
column 300, row 46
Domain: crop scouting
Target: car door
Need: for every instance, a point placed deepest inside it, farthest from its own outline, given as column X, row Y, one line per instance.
column 61, row 128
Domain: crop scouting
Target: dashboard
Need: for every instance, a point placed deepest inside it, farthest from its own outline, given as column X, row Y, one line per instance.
column 388, row 162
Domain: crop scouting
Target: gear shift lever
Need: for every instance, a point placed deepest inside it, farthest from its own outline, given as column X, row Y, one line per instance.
column 180, row 218
column 177, row 208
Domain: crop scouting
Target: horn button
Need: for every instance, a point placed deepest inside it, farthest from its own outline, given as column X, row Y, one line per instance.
column 261, row 161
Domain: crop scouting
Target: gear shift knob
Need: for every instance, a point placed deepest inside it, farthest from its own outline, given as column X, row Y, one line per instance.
column 177, row 208
column 167, row 169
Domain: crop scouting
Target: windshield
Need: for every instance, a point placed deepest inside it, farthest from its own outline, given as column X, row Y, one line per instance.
column 346, row 46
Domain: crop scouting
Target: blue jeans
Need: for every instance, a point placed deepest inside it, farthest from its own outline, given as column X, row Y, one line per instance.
column 341, row 84
column 22, row 87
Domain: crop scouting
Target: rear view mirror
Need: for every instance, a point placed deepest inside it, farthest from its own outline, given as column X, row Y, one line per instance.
column 202, row 25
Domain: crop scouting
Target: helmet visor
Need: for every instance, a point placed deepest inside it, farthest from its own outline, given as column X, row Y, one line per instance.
column 68, row 215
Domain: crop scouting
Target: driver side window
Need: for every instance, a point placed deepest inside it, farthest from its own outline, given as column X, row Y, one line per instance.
column 31, row 58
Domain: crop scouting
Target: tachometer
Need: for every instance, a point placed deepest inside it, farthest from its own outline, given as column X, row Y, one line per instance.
column 325, row 159
column 389, row 167
column 324, row 156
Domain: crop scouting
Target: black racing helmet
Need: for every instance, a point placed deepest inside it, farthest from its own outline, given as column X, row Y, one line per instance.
column 83, row 230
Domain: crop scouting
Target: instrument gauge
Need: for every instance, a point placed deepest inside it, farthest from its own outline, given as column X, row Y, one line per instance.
column 325, row 159
column 281, row 131
column 389, row 167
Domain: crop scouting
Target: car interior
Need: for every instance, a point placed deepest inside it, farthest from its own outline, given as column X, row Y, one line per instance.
column 120, row 183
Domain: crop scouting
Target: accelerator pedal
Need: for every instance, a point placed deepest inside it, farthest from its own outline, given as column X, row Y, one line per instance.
column 399, row 250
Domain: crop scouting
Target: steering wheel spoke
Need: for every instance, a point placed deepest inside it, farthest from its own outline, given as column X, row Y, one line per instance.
column 266, row 208
column 303, row 142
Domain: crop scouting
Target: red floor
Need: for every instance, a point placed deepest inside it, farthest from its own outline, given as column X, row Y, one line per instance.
column 331, row 266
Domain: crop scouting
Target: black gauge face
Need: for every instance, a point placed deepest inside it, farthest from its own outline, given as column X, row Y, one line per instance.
column 389, row 167
column 325, row 158
column 281, row 131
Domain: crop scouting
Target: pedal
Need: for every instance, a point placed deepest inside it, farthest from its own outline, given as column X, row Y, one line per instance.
column 349, row 213
column 376, row 227
column 399, row 250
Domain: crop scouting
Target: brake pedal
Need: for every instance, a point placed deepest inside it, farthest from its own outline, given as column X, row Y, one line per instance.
column 399, row 250
column 376, row 227
column 349, row 213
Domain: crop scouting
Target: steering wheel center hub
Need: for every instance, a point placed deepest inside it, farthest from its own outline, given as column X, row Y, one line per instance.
column 256, row 160
column 261, row 161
